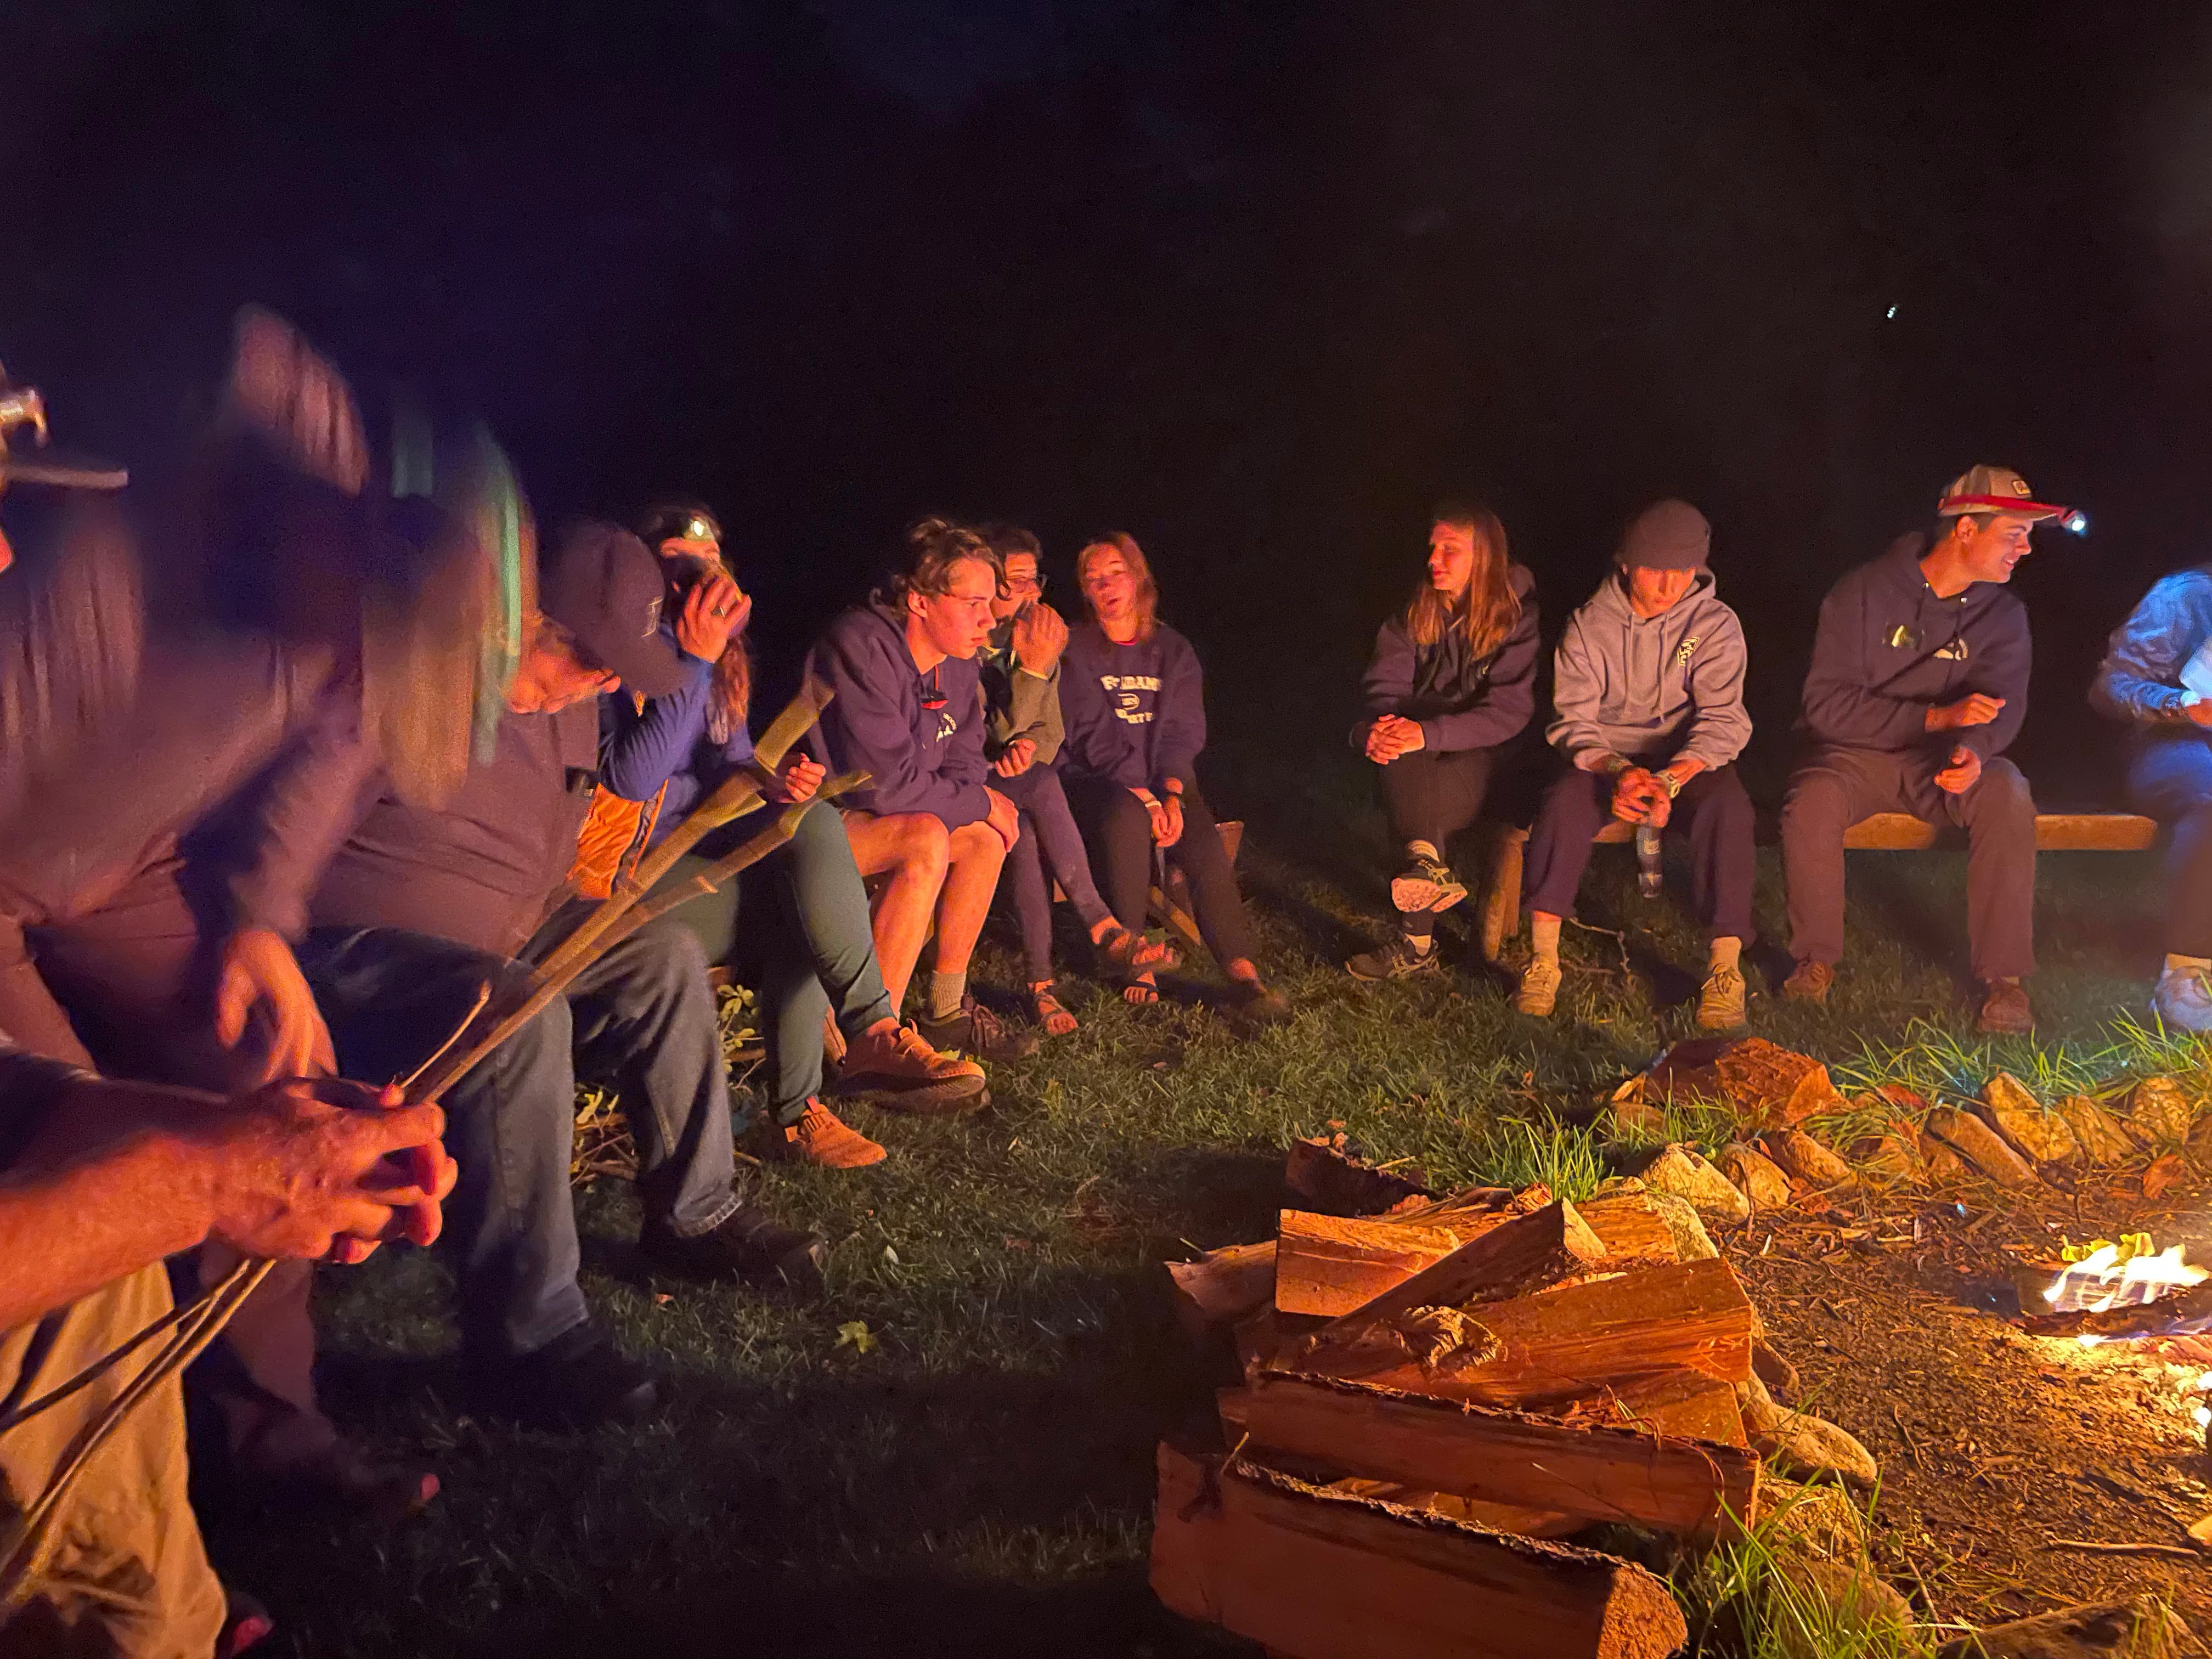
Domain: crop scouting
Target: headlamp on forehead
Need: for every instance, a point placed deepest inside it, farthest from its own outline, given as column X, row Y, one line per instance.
column 700, row 528
column 2073, row 521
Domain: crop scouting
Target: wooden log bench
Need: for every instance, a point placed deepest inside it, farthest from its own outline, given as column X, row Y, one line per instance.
column 1885, row 832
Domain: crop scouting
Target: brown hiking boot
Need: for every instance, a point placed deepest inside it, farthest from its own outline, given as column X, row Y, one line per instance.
column 2005, row 1012
column 894, row 1070
column 819, row 1137
column 1808, row 982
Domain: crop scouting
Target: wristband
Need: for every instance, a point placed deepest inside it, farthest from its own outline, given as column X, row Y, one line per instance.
column 1614, row 765
column 1147, row 797
column 1672, row 784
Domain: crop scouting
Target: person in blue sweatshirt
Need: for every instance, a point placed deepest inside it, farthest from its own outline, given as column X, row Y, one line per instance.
column 908, row 711
column 1918, row 685
column 1133, row 699
column 797, row 922
column 1452, row 681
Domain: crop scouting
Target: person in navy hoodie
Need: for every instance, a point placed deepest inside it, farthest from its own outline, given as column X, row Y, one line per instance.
column 1452, row 681
column 908, row 711
column 1133, row 699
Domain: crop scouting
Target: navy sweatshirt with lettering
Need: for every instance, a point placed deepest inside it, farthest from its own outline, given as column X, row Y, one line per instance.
column 1135, row 713
column 1889, row 650
column 920, row 758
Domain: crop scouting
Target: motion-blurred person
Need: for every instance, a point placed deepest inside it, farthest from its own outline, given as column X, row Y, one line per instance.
column 799, row 917
column 424, row 906
column 2157, row 676
column 1021, row 689
column 1649, row 716
column 184, row 733
column 100, row 1181
column 909, row 712
column 1133, row 698
column 1917, row 687
column 1452, row 680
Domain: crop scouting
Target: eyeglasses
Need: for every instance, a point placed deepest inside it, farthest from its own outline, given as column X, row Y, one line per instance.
column 1026, row 584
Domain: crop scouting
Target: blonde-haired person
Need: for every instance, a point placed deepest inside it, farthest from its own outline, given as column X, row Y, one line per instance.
column 1133, row 698
column 1452, row 681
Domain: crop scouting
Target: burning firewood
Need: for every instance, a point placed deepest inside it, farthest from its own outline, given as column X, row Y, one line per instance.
column 1330, row 1575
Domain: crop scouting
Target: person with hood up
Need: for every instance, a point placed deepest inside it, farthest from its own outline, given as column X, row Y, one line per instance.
column 1648, row 693
column 1918, row 685
column 908, row 711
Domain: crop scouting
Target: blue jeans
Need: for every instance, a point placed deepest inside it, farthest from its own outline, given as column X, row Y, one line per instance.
column 2170, row 777
column 640, row 1019
column 797, row 922
column 1049, row 840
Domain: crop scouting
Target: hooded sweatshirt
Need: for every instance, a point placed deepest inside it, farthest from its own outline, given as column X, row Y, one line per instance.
column 1459, row 700
column 646, row 742
column 1889, row 650
column 921, row 759
column 1135, row 712
column 1649, row 688
column 1021, row 705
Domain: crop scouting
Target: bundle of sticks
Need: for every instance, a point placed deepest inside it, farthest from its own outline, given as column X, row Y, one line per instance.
column 1432, row 1400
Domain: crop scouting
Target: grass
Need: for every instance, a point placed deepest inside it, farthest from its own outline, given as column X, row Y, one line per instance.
column 953, row 1452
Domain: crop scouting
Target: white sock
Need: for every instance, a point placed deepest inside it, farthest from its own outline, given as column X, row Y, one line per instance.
column 1422, row 942
column 2177, row 964
column 946, row 990
column 1418, row 850
column 1723, row 954
column 1544, row 937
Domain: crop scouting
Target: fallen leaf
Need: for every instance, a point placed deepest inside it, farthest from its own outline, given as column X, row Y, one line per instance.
column 661, row 1298
column 2163, row 1172
column 855, row 1335
column 890, row 1259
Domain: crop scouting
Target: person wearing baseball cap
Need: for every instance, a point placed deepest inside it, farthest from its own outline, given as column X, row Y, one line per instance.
column 1647, row 694
column 1918, row 685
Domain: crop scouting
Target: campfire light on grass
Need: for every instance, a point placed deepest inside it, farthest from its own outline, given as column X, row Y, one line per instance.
column 2106, row 1278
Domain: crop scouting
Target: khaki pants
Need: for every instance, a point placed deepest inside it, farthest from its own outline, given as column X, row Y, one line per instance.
column 125, row 1576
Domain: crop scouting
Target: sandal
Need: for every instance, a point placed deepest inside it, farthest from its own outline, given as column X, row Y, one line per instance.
column 1130, row 950
column 1048, row 1011
column 1140, row 989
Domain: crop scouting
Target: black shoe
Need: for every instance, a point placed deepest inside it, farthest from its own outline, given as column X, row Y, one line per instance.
column 978, row 1033
column 1425, row 883
column 1396, row 960
column 746, row 1244
column 578, row 1381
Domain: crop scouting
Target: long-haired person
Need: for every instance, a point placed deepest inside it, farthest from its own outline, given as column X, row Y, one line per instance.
column 799, row 918
column 1133, row 699
column 1021, row 691
column 1452, row 681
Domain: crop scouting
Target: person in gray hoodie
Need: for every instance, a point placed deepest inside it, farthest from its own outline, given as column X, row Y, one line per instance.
column 1647, row 690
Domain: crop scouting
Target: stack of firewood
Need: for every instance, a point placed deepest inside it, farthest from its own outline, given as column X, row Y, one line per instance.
column 1434, row 1396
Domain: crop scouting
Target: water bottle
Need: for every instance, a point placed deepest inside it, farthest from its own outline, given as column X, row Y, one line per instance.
column 1647, row 860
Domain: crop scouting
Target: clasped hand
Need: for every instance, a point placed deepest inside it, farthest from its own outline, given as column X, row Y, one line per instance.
column 1639, row 796
column 1391, row 736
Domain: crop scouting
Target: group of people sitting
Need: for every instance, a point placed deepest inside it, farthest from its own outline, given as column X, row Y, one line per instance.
column 1918, row 686
column 299, row 771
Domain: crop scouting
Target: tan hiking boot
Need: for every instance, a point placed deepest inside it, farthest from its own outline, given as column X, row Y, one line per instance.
column 819, row 1137
column 1539, row 992
column 1808, row 982
column 2005, row 1012
column 895, row 1070
column 1720, row 1001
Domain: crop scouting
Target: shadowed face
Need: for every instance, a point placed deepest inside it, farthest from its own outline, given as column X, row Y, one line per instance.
column 958, row 622
column 1022, row 588
column 1451, row 558
column 1650, row 591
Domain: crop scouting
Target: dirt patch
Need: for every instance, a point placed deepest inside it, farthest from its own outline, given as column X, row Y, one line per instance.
column 1996, row 1446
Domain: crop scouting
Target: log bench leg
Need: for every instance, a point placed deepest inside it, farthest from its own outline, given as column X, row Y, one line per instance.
column 1501, row 889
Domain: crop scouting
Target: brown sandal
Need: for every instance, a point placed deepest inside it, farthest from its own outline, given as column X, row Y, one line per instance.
column 1140, row 990
column 1048, row 1011
column 1131, row 951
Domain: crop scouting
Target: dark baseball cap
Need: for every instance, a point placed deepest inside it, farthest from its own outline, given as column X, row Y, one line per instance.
column 604, row 587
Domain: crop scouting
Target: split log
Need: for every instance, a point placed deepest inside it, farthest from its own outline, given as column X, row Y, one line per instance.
column 1982, row 1147
column 1799, row 1444
column 1631, row 1228
column 1941, row 1161
column 1807, row 1160
column 1683, row 1404
column 2160, row 1110
column 2102, row 1138
column 1890, row 1160
column 1598, row 1474
column 1222, row 1286
column 1328, row 1575
column 2142, row 1628
column 1756, row 1176
column 1330, row 1265
column 1563, row 1345
column 1683, row 1172
column 2007, row 1106
column 1324, row 1176
column 1771, row 1087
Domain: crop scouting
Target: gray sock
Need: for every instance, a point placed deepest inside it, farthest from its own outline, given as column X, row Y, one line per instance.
column 945, row 993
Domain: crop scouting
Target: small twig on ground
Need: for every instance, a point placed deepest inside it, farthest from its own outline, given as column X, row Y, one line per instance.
column 1619, row 936
column 2177, row 1551
column 1911, row 1451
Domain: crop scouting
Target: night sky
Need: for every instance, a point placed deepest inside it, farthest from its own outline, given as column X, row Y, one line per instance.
column 1258, row 283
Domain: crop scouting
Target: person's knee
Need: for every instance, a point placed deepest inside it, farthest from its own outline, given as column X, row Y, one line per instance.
column 667, row 963
column 973, row 845
column 1815, row 800
column 2003, row 795
column 924, row 845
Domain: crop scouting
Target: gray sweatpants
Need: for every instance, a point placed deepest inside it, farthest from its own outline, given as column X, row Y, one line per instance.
column 1833, row 789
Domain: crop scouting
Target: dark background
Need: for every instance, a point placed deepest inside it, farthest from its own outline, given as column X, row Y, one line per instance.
column 1257, row 282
